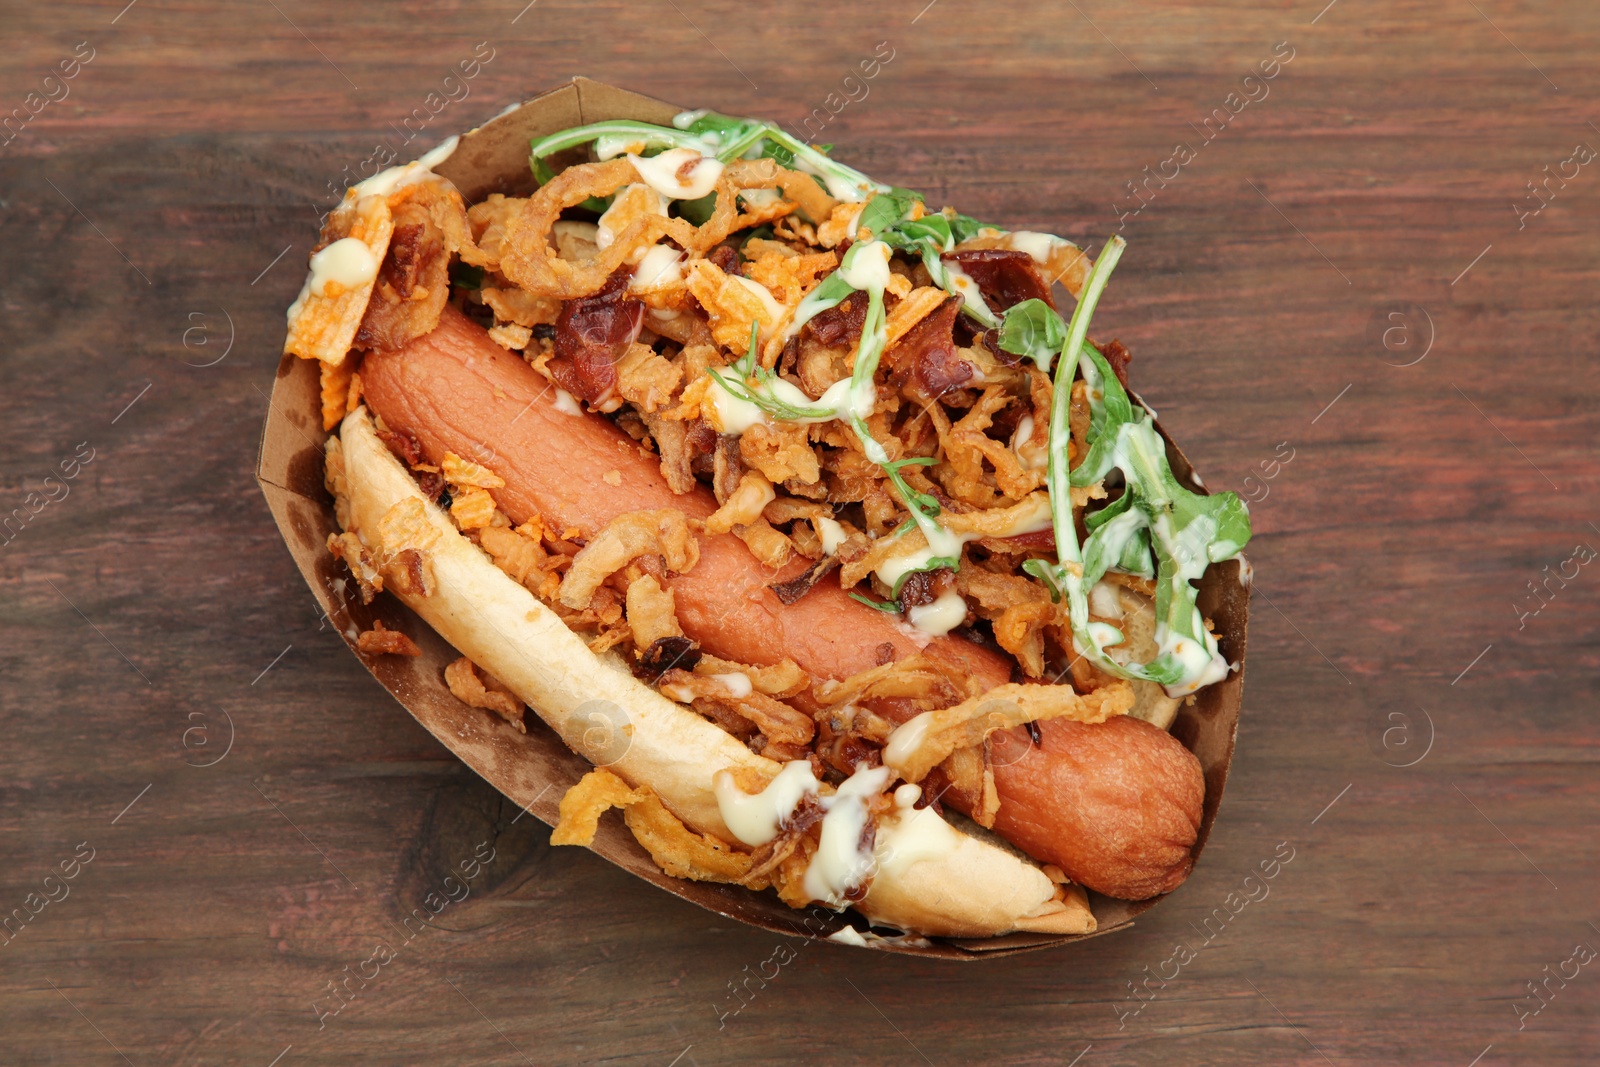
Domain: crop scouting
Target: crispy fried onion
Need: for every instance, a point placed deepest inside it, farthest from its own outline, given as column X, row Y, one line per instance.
column 652, row 613
column 1020, row 610
column 675, row 848
column 925, row 741
column 348, row 547
column 664, row 533
column 430, row 223
column 382, row 641
column 782, row 452
column 967, row 446
column 520, row 553
column 932, row 683
column 744, row 505
column 486, row 692
column 716, row 695
column 526, row 254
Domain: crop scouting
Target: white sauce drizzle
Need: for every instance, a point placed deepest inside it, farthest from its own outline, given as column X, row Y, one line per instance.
column 848, row 935
column 905, row 739
column 948, row 611
column 660, row 266
column 387, row 181
column 736, row 682
column 839, row 863
column 660, row 172
column 774, row 310
column 839, row 186
column 830, row 533
column 911, row 835
column 1039, row 246
column 567, row 404
column 960, row 283
column 755, row 820
column 347, row 261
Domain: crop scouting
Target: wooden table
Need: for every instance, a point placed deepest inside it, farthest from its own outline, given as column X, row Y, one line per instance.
column 1343, row 304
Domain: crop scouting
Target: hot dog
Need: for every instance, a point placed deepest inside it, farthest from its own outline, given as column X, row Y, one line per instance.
column 1115, row 806
column 843, row 563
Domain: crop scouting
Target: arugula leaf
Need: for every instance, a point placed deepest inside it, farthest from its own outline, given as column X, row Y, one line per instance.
column 697, row 211
column 1155, row 516
column 1033, row 330
column 886, row 210
column 965, row 227
column 466, row 276
column 891, row 607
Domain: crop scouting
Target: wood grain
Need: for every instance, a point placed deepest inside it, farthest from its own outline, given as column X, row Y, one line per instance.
column 156, row 598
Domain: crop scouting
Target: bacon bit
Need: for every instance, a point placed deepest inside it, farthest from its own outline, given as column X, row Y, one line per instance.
column 488, row 692
column 1118, row 356
column 406, row 448
column 665, row 653
column 840, row 326
column 926, row 358
column 801, row 584
column 592, row 333
column 431, row 483
column 885, row 653
column 381, row 641
column 1005, row 277
column 924, row 587
column 726, row 258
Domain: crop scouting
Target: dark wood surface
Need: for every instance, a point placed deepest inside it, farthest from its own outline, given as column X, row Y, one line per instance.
column 154, row 604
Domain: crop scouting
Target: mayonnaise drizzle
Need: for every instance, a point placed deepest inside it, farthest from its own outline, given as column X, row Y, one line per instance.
column 947, row 611
column 662, row 173
column 755, row 820
column 736, row 683
column 387, row 181
column 840, row 864
column 347, row 261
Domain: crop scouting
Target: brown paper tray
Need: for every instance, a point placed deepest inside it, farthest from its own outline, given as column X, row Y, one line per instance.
column 536, row 768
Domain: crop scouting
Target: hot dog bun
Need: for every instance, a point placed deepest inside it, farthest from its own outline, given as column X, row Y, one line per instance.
column 949, row 884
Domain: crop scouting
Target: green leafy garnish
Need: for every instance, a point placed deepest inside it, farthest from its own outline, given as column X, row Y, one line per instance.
column 466, row 276
column 1154, row 515
column 712, row 134
column 1033, row 330
column 891, row 607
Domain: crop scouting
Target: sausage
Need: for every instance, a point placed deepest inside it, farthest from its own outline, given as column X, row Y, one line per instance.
column 1115, row 806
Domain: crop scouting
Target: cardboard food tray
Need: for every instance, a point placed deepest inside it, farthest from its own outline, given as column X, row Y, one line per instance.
column 535, row 769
